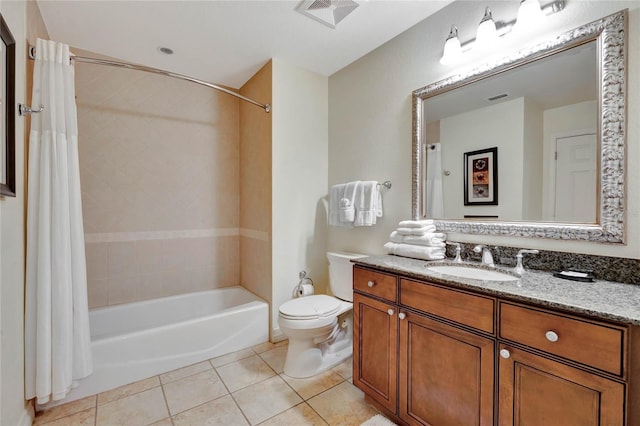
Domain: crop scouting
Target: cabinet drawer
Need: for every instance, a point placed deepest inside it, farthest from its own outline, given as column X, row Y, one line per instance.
column 461, row 307
column 598, row 345
column 375, row 283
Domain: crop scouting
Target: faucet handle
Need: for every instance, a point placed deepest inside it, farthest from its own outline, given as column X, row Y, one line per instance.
column 458, row 259
column 519, row 267
column 523, row 251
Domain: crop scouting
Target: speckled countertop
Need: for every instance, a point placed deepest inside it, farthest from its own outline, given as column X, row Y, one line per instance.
column 600, row 299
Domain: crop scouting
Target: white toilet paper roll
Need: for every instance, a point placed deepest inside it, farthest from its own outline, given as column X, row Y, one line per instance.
column 305, row 290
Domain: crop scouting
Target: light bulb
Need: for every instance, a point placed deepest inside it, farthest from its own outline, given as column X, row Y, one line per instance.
column 452, row 49
column 530, row 15
column 487, row 35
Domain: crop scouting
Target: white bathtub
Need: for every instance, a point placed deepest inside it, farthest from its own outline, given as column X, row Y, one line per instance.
column 137, row 340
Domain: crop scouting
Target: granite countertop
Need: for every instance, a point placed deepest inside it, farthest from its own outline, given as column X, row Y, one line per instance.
column 600, row 299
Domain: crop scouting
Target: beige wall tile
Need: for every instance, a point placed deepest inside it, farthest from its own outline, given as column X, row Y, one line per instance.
column 157, row 154
column 97, row 261
column 122, row 289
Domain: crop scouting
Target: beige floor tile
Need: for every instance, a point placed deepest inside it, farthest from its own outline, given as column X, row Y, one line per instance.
column 263, row 400
column 65, row 410
column 245, row 372
column 193, row 390
column 300, row 415
column 345, row 369
column 180, row 373
column 312, row 386
column 143, row 408
column 275, row 358
column 82, row 418
column 222, row 411
column 266, row 346
column 233, row 356
column 163, row 422
column 342, row 405
column 126, row 390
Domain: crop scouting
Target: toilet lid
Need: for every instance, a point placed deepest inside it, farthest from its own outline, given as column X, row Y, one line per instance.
column 310, row 307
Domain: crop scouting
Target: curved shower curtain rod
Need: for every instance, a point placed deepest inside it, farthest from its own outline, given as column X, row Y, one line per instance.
column 127, row 65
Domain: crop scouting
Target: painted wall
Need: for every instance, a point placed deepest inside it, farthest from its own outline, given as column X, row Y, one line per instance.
column 370, row 117
column 299, row 181
column 479, row 129
column 255, row 186
column 25, row 22
column 563, row 120
column 532, row 145
column 159, row 166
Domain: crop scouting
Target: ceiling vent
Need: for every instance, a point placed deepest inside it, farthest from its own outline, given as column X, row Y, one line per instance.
column 328, row 12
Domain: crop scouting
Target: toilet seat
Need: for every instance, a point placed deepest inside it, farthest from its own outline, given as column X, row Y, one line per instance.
column 310, row 307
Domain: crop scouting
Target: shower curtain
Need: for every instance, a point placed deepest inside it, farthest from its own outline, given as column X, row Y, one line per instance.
column 57, row 341
column 435, row 197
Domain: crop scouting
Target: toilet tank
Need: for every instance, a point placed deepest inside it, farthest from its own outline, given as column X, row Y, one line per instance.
column 341, row 274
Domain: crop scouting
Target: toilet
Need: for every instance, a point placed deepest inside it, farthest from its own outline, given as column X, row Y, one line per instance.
column 320, row 327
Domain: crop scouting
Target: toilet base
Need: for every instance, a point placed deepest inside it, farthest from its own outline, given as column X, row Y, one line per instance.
column 305, row 358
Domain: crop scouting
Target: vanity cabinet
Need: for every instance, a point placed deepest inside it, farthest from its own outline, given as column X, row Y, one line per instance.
column 431, row 354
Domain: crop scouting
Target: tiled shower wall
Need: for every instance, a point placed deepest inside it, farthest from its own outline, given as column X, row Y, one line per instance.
column 159, row 166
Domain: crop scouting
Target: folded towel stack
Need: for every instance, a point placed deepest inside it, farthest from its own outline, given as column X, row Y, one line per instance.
column 417, row 239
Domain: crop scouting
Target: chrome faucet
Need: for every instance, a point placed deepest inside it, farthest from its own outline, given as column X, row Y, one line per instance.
column 487, row 257
column 519, row 268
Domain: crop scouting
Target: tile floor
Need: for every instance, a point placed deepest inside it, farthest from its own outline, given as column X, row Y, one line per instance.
column 246, row 387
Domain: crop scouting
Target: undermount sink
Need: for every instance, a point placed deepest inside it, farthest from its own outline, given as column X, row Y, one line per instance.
column 472, row 272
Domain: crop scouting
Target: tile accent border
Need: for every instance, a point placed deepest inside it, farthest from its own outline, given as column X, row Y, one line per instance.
column 110, row 237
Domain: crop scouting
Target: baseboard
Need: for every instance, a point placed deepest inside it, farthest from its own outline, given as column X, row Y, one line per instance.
column 28, row 414
column 277, row 335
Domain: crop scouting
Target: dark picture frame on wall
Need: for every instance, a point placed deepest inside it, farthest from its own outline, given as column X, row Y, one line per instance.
column 7, row 111
column 481, row 177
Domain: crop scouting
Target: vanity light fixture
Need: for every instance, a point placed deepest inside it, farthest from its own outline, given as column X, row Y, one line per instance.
column 530, row 15
column 487, row 35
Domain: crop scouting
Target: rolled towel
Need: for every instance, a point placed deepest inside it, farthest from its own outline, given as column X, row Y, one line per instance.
column 347, row 212
column 433, row 239
column 416, row 252
column 417, row 231
column 415, row 223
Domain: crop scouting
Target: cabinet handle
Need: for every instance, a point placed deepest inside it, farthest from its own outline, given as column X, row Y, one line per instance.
column 504, row 353
column 551, row 336
column 391, row 312
column 402, row 315
column 371, row 283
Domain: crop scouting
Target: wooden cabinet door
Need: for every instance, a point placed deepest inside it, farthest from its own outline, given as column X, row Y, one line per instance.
column 446, row 374
column 375, row 346
column 534, row 390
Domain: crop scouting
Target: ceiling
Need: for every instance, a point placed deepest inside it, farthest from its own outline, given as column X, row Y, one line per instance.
column 226, row 42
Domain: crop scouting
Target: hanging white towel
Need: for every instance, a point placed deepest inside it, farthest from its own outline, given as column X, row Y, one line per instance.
column 342, row 204
column 368, row 203
column 414, row 251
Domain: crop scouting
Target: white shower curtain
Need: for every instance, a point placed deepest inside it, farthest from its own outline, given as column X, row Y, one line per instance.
column 435, row 197
column 57, row 347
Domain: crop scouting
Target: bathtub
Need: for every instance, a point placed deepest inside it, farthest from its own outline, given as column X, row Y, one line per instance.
column 134, row 341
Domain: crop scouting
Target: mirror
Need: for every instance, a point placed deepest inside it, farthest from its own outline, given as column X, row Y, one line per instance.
column 532, row 145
